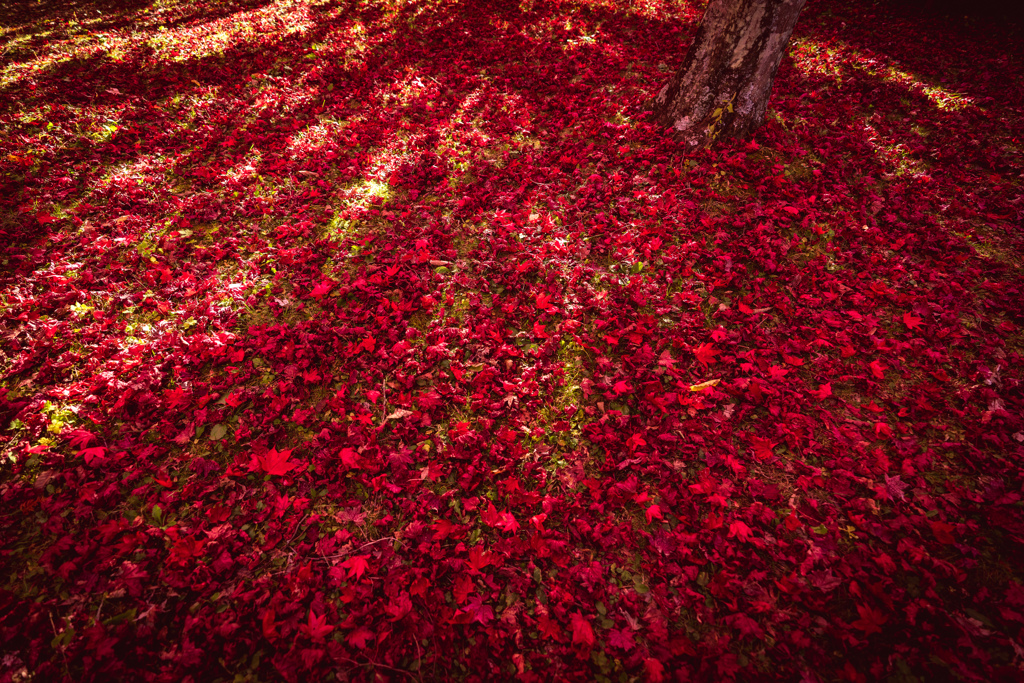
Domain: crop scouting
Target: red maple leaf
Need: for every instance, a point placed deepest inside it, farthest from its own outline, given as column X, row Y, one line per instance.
column 655, row 670
column 823, row 391
column 548, row 628
column 322, row 289
column 359, row 637
column 652, row 513
column 739, row 529
column 635, row 441
column 911, row 321
column 507, row 523
column 462, row 588
column 442, row 528
column 80, row 437
column 870, row 621
column 478, row 559
column 877, row 369
column 356, row 565
column 622, row 639
column 349, row 457
column 399, row 607
column 316, row 627
column 95, row 456
column 705, row 353
column 762, row 448
column 186, row 548
column 544, row 302
column 277, row 463
column 582, row 633
column 943, row 532
column 793, row 522
column 420, row 586
column 175, row 396
column 490, row 515
column 269, row 626
column 895, row 486
column 460, row 616
column 745, row 625
column 481, row 612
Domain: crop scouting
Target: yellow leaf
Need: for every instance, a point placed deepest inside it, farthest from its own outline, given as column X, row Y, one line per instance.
column 704, row 385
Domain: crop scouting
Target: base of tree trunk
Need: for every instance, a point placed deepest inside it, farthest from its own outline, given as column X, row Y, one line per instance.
column 723, row 87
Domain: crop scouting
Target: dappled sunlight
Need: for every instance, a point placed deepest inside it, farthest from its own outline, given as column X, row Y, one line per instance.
column 283, row 93
column 316, row 137
column 659, row 10
column 144, row 173
column 181, row 42
column 278, row 19
column 941, row 97
column 369, row 192
column 15, row 72
column 246, row 169
column 896, row 155
column 835, row 58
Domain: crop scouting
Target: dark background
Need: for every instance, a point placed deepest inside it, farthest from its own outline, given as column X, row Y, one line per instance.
column 1004, row 10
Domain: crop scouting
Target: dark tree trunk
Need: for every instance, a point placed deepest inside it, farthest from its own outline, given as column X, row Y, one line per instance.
column 723, row 86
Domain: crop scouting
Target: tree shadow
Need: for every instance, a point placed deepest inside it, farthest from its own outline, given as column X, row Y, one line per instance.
column 949, row 113
column 104, row 15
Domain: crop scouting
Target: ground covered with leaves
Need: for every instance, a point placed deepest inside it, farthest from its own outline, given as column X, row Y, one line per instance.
column 389, row 340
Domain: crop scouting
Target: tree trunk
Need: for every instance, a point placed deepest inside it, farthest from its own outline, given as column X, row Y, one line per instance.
column 723, row 86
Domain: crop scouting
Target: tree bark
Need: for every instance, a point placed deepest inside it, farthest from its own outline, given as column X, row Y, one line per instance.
column 723, row 87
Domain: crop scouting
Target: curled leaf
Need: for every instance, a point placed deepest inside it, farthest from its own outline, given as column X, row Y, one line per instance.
column 704, row 385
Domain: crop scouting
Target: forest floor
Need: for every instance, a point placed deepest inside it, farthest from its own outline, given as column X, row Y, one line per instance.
column 389, row 340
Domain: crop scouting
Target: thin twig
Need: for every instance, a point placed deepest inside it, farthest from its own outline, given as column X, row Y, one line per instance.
column 380, row 666
column 354, row 550
column 63, row 654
